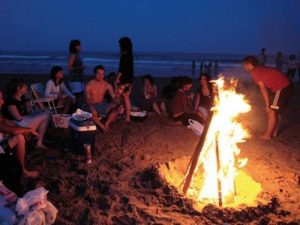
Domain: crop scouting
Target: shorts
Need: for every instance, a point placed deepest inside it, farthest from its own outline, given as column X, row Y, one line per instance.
column 102, row 108
column 4, row 147
column 283, row 99
column 184, row 118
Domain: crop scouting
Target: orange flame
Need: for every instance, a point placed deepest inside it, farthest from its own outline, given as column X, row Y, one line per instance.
column 223, row 133
column 218, row 159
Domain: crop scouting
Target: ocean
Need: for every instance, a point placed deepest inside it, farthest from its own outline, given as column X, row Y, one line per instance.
column 158, row 64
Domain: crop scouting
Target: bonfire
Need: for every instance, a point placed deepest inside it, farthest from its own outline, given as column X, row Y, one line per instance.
column 214, row 174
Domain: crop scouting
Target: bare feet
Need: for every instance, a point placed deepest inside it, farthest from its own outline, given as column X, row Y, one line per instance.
column 41, row 147
column 266, row 137
column 28, row 173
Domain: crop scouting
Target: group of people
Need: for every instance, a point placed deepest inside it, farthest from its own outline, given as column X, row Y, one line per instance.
column 290, row 66
column 107, row 100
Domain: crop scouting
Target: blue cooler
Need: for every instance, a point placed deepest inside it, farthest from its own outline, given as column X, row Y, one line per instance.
column 82, row 132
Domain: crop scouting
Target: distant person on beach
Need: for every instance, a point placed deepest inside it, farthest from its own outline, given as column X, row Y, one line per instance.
column 201, row 67
column 216, row 68
column 56, row 89
column 150, row 101
column 292, row 66
column 125, row 73
column 75, row 64
column 276, row 90
column 12, row 135
column 193, row 67
column 204, row 98
column 279, row 61
column 18, row 109
column 262, row 57
column 181, row 110
column 95, row 91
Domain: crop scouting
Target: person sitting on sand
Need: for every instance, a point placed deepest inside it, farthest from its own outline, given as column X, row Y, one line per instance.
column 56, row 89
column 14, row 138
column 203, row 98
column 276, row 90
column 18, row 109
column 150, row 101
column 180, row 108
column 95, row 91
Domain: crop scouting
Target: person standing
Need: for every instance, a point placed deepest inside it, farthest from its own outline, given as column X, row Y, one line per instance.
column 125, row 75
column 279, row 61
column 75, row 64
column 262, row 57
column 292, row 66
column 76, row 69
column 276, row 90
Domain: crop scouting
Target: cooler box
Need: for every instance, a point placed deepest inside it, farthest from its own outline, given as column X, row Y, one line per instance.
column 82, row 132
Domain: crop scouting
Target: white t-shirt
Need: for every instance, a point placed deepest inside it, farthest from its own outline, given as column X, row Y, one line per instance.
column 53, row 91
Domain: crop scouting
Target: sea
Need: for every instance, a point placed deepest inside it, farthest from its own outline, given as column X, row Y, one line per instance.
column 157, row 64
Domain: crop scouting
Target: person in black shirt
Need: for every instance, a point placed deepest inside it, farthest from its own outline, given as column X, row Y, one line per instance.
column 18, row 109
column 125, row 75
column 12, row 136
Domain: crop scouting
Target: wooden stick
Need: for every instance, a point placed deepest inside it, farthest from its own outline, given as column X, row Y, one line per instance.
column 218, row 168
column 195, row 158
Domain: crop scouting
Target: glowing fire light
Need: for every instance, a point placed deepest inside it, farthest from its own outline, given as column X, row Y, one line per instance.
column 223, row 134
column 217, row 168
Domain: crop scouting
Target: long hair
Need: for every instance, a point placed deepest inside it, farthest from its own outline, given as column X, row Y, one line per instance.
column 148, row 77
column 54, row 71
column 125, row 45
column 13, row 86
column 73, row 45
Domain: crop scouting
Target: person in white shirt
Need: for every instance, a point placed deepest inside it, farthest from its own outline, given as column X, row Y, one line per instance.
column 56, row 89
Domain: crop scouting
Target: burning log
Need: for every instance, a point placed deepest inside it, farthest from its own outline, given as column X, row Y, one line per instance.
column 217, row 148
column 195, row 158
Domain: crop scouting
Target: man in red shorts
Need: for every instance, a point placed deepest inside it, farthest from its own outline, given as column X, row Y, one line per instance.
column 276, row 90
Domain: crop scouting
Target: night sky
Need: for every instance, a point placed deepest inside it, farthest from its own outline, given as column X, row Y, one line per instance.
column 205, row 26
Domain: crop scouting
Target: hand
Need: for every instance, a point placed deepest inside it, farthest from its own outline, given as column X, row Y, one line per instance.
column 268, row 109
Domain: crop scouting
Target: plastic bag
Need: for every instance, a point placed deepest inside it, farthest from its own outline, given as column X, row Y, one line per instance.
column 34, row 209
column 32, row 200
column 80, row 115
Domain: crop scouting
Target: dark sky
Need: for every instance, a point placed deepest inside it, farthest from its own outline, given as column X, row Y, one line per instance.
column 207, row 26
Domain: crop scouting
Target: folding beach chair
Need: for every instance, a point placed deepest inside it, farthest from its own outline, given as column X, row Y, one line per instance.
column 40, row 102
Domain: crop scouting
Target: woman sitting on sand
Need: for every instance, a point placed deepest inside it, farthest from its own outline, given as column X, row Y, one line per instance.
column 56, row 89
column 150, row 101
column 18, row 108
column 203, row 100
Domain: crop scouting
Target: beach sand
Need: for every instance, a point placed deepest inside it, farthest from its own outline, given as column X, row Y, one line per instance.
column 123, row 185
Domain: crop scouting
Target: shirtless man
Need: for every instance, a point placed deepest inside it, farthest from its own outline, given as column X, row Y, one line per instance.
column 94, row 92
column 15, row 139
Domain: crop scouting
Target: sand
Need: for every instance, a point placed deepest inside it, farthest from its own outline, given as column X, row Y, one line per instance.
column 123, row 184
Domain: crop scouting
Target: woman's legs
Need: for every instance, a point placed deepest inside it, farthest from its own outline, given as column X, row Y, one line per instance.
column 39, row 122
column 19, row 142
column 156, row 108
column 163, row 109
